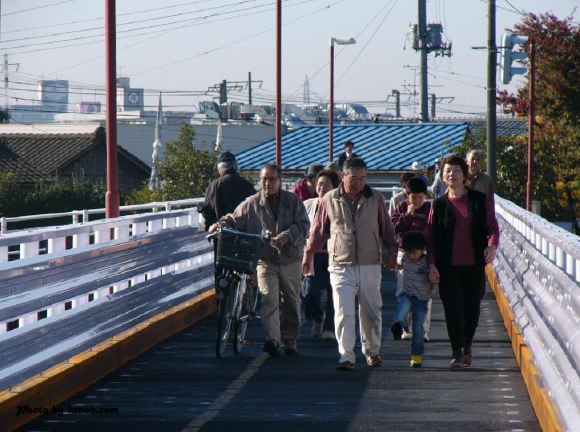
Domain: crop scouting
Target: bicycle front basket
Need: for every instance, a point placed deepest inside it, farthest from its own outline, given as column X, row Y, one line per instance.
column 238, row 250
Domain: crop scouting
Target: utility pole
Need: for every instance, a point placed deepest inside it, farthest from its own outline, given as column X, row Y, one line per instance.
column 250, row 88
column 397, row 95
column 112, row 198
column 422, row 29
column 531, row 118
column 433, row 102
column 7, row 80
column 6, row 99
column 491, row 93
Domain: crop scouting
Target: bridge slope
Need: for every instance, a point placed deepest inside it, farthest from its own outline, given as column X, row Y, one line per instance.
column 179, row 385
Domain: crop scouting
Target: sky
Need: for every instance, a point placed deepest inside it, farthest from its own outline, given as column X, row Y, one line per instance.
column 182, row 47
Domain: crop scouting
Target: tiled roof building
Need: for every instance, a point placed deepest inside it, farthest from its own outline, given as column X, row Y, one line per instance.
column 33, row 155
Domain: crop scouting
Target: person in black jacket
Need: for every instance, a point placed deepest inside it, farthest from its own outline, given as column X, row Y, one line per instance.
column 348, row 153
column 227, row 191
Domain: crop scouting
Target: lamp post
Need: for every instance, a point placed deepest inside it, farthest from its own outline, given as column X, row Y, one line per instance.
column 338, row 41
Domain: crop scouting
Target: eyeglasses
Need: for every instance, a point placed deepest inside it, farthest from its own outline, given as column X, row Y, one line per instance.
column 268, row 179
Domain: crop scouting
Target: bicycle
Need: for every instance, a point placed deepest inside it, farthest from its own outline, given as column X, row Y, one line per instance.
column 237, row 256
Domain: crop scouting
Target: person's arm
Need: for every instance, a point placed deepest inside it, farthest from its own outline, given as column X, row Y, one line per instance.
column 299, row 228
column 207, row 208
column 492, row 231
column 387, row 233
column 431, row 253
column 401, row 219
column 319, row 233
column 239, row 218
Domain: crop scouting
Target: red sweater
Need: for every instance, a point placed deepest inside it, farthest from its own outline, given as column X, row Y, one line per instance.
column 463, row 253
column 302, row 191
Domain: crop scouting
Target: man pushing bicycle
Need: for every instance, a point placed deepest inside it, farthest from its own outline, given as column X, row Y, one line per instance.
column 279, row 267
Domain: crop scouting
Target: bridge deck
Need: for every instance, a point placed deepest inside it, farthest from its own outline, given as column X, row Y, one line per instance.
column 181, row 386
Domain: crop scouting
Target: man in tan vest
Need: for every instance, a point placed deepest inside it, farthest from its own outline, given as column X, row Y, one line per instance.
column 354, row 220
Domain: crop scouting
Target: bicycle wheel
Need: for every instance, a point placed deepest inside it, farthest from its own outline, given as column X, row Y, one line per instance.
column 240, row 321
column 225, row 318
column 248, row 313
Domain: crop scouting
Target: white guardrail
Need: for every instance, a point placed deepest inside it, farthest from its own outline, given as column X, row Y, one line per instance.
column 538, row 267
column 64, row 289
column 78, row 216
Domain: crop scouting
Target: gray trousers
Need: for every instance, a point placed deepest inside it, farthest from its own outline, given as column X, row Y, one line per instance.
column 280, row 290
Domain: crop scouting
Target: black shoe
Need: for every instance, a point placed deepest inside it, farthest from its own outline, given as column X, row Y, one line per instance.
column 397, row 330
column 271, row 348
column 467, row 356
column 345, row 366
column 457, row 360
column 290, row 348
column 290, row 351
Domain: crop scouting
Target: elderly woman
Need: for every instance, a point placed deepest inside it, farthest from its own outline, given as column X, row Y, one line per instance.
column 318, row 281
column 462, row 237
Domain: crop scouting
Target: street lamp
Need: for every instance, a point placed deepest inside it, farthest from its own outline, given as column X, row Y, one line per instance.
column 338, row 41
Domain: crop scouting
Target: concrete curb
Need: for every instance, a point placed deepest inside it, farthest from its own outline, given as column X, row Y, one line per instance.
column 543, row 406
column 57, row 384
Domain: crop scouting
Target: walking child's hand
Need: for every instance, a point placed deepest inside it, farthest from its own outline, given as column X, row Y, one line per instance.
column 433, row 274
column 305, row 267
column 391, row 262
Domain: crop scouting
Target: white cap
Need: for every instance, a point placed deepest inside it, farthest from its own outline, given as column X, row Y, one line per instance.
column 416, row 166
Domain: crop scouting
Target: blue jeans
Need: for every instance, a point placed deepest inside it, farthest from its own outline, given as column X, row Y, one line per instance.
column 312, row 289
column 418, row 310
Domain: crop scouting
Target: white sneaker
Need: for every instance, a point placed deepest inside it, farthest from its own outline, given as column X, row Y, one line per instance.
column 327, row 334
column 407, row 335
column 317, row 329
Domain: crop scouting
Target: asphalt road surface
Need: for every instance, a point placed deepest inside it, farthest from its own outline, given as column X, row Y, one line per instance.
column 180, row 385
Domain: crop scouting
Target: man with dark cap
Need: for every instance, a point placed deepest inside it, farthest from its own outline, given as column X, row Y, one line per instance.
column 306, row 189
column 225, row 193
column 348, row 153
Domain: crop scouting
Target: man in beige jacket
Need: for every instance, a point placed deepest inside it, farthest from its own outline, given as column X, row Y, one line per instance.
column 355, row 221
column 476, row 178
column 279, row 273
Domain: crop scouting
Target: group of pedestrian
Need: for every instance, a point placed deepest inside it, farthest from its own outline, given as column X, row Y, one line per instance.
column 328, row 239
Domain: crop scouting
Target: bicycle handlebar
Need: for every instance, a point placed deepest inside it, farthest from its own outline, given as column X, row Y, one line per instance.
column 266, row 234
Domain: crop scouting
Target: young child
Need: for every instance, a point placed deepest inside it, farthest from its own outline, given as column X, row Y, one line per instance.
column 416, row 291
column 411, row 215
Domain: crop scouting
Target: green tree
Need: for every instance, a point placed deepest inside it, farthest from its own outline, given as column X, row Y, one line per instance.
column 557, row 121
column 185, row 171
column 7, row 191
column 57, row 196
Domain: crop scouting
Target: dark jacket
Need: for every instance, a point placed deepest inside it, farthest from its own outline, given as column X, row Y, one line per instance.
column 342, row 158
column 223, row 196
column 444, row 228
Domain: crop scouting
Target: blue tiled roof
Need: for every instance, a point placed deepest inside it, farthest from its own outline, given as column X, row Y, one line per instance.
column 382, row 146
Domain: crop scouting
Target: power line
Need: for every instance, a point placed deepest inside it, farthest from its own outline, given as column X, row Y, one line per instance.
column 239, row 41
column 367, row 42
column 189, row 21
column 37, row 7
column 514, row 8
column 365, row 27
column 67, row 23
column 502, row 8
column 100, row 28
